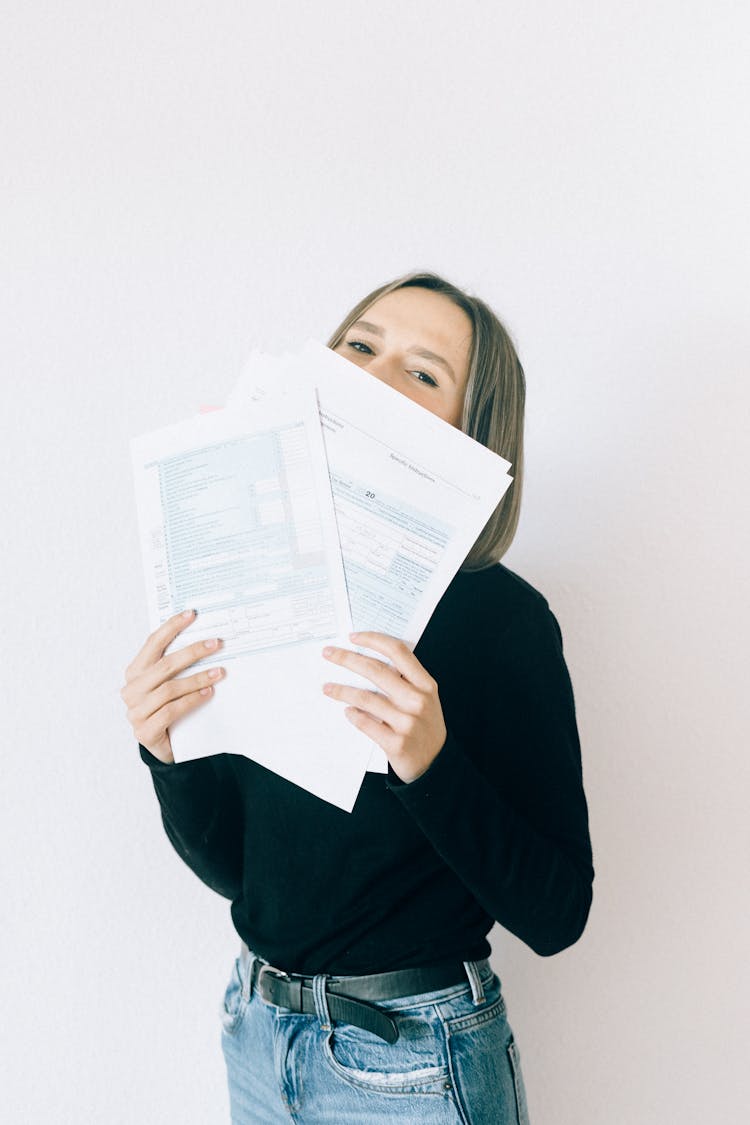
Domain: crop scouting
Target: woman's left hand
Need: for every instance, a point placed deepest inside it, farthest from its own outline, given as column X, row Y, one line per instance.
column 404, row 717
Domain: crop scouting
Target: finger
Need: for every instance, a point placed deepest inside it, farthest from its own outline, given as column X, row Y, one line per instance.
column 371, row 703
column 171, row 665
column 158, row 641
column 383, row 675
column 380, row 733
column 399, row 654
column 173, row 689
column 178, row 661
column 153, row 729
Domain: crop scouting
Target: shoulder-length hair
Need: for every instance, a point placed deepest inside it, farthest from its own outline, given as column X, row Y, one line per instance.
column 493, row 404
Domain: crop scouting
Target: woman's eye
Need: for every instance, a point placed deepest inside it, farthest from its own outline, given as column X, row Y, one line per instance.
column 365, row 349
column 423, row 377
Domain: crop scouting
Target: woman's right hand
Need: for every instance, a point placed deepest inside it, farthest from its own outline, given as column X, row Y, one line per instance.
column 155, row 698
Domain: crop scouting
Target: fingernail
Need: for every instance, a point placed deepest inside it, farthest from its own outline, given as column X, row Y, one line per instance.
column 327, row 688
column 210, row 644
column 206, row 690
column 188, row 613
column 215, row 673
column 328, row 651
column 354, row 636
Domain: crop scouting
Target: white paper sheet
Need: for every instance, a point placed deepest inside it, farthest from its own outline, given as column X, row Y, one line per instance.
column 411, row 492
column 237, row 521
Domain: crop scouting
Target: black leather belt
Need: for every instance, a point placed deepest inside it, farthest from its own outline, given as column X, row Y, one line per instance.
column 350, row 998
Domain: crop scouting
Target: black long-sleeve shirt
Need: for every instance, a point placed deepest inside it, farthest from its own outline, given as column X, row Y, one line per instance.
column 495, row 830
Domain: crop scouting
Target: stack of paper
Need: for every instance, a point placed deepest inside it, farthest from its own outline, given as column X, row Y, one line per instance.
column 318, row 501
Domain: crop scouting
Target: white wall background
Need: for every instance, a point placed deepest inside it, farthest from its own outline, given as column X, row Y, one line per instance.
column 182, row 181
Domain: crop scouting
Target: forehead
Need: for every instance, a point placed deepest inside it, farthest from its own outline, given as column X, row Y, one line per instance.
column 426, row 318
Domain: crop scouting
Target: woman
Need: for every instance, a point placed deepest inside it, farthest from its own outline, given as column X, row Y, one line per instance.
column 362, row 992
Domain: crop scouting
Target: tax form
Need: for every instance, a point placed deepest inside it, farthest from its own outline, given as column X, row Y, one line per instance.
column 237, row 521
column 411, row 492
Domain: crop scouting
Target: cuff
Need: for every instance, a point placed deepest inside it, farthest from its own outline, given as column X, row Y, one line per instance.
column 439, row 774
column 154, row 764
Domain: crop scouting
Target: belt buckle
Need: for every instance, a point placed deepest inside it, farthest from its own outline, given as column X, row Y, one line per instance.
column 290, row 998
column 279, row 974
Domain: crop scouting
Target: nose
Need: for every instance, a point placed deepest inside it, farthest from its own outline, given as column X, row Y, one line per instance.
column 382, row 369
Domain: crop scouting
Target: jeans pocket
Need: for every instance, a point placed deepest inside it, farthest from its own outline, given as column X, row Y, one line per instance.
column 514, row 1057
column 486, row 1067
column 415, row 1064
column 233, row 1006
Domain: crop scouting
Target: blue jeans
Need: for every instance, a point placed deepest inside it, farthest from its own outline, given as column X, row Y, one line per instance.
column 455, row 1060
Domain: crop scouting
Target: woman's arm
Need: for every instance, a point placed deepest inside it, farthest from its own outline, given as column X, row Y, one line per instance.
column 510, row 818
column 200, row 803
column 203, row 817
column 508, row 814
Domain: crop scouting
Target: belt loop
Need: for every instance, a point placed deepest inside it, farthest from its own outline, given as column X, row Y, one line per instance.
column 321, row 1001
column 247, row 964
column 472, row 972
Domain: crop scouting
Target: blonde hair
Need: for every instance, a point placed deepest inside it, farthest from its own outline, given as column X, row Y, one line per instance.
column 493, row 403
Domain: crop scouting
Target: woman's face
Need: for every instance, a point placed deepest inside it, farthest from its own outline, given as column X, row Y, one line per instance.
column 418, row 342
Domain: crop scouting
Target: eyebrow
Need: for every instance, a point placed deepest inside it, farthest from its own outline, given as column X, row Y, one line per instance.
column 425, row 353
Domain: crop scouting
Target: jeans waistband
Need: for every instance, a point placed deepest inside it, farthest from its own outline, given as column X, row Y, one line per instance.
column 378, row 986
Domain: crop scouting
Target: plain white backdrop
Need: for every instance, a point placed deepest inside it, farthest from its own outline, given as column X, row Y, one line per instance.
column 184, row 181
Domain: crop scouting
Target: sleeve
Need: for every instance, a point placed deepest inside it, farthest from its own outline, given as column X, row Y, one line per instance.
column 510, row 816
column 201, row 810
